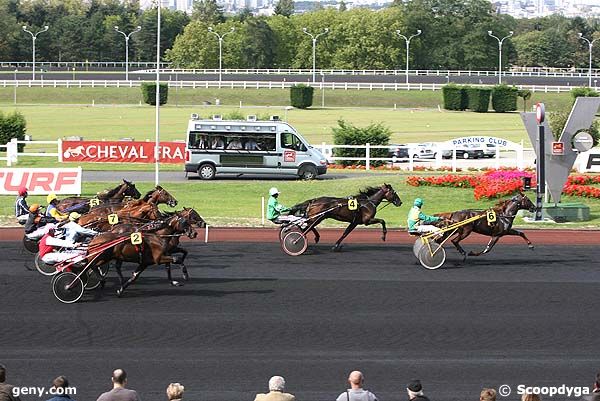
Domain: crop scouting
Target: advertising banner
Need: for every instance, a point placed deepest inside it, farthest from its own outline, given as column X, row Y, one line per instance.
column 40, row 181
column 121, row 152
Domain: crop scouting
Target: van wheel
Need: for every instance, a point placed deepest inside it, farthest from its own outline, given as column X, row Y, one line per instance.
column 207, row 171
column 307, row 172
column 465, row 155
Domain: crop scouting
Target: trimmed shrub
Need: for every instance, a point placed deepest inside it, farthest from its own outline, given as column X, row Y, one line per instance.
column 479, row 99
column 583, row 92
column 558, row 119
column 12, row 126
column 504, row 98
column 348, row 134
column 526, row 95
column 301, row 96
column 455, row 97
column 149, row 93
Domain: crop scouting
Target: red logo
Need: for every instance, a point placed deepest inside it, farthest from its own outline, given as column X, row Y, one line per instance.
column 558, row 148
column 289, row 156
column 40, row 181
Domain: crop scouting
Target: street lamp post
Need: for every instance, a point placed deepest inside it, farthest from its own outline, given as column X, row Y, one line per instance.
column 407, row 40
column 34, row 38
column 15, row 94
column 127, row 36
column 591, row 47
column 220, row 37
column 500, row 42
column 314, row 48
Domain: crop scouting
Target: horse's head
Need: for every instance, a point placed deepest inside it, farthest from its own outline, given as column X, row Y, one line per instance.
column 160, row 195
column 193, row 217
column 523, row 202
column 131, row 190
column 183, row 226
column 390, row 195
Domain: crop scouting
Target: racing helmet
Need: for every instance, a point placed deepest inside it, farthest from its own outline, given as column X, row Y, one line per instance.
column 34, row 207
column 418, row 202
column 74, row 216
column 22, row 191
column 273, row 191
column 51, row 197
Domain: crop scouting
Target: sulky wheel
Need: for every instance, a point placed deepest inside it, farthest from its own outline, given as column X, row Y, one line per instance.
column 92, row 280
column 287, row 229
column 67, row 287
column 434, row 258
column 43, row 267
column 30, row 244
column 294, row 243
column 417, row 247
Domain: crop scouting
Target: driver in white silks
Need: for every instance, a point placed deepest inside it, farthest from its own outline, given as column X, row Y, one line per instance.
column 73, row 231
column 49, row 249
column 275, row 209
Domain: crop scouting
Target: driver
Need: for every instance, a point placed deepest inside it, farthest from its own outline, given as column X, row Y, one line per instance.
column 52, row 210
column 419, row 222
column 275, row 209
column 73, row 231
column 50, row 246
column 21, row 207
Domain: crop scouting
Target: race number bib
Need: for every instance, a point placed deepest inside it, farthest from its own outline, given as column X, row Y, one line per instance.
column 94, row 202
column 136, row 238
column 352, row 204
column 491, row 216
column 113, row 219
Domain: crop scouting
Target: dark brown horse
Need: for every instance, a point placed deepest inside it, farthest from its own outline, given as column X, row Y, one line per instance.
column 115, row 195
column 318, row 209
column 506, row 211
column 155, row 249
column 97, row 218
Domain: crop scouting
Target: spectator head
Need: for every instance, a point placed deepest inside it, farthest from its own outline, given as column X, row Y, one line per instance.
column 2, row 373
column 60, row 382
column 487, row 394
column 119, row 377
column 277, row 383
column 530, row 397
column 356, row 379
column 414, row 389
column 175, row 391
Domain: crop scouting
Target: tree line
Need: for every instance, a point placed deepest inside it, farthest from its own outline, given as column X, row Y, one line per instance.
column 454, row 35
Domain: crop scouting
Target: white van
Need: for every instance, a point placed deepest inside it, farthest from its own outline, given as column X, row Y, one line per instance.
column 215, row 146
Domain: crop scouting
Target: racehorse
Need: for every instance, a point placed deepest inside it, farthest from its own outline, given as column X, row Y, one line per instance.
column 318, row 209
column 154, row 197
column 97, row 218
column 115, row 195
column 506, row 211
column 154, row 249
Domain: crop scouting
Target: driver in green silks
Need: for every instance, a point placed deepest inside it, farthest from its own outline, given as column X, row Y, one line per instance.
column 419, row 222
column 275, row 210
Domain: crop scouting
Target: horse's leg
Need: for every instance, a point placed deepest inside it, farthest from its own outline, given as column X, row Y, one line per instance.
column 118, row 265
column 461, row 235
column 488, row 247
column 141, row 267
column 348, row 230
column 314, row 229
column 383, row 227
column 174, row 283
column 521, row 234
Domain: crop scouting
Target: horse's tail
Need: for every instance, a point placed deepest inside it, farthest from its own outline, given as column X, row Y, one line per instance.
column 300, row 209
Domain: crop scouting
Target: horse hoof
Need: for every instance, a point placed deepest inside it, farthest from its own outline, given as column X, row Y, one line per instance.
column 176, row 283
column 383, row 238
column 119, row 292
column 186, row 277
column 471, row 254
column 317, row 240
column 336, row 248
column 531, row 247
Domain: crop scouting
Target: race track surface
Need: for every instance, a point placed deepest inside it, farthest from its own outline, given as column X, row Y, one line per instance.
column 249, row 312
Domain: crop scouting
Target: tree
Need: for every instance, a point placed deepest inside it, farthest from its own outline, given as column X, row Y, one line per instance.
column 342, row 7
column 284, row 7
column 207, row 11
column 258, row 45
column 172, row 24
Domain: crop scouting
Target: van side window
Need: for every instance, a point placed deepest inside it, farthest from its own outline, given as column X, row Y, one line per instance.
column 291, row 141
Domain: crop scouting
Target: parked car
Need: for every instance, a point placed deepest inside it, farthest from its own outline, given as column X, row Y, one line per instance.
column 398, row 153
column 423, row 151
column 489, row 150
column 468, row 151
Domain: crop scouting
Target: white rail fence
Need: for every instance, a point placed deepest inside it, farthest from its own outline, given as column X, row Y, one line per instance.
column 518, row 157
column 47, row 83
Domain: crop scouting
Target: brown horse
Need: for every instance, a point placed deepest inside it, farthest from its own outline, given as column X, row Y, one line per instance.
column 318, row 209
column 506, row 211
column 155, row 197
column 115, row 195
column 97, row 218
column 155, row 249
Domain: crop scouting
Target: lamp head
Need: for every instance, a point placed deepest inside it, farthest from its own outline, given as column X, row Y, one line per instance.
column 25, row 28
column 46, row 27
column 116, row 27
column 138, row 28
column 326, row 30
column 419, row 31
column 304, row 30
column 490, row 33
column 210, row 29
column 232, row 29
column 511, row 33
column 580, row 35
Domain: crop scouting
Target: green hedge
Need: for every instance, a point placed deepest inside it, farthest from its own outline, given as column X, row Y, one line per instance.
column 455, row 97
column 504, row 98
column 12, row 125
column 583, row 92
column 149, row 93
column 348, row 134
column 479, row 99
column 301, row 96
